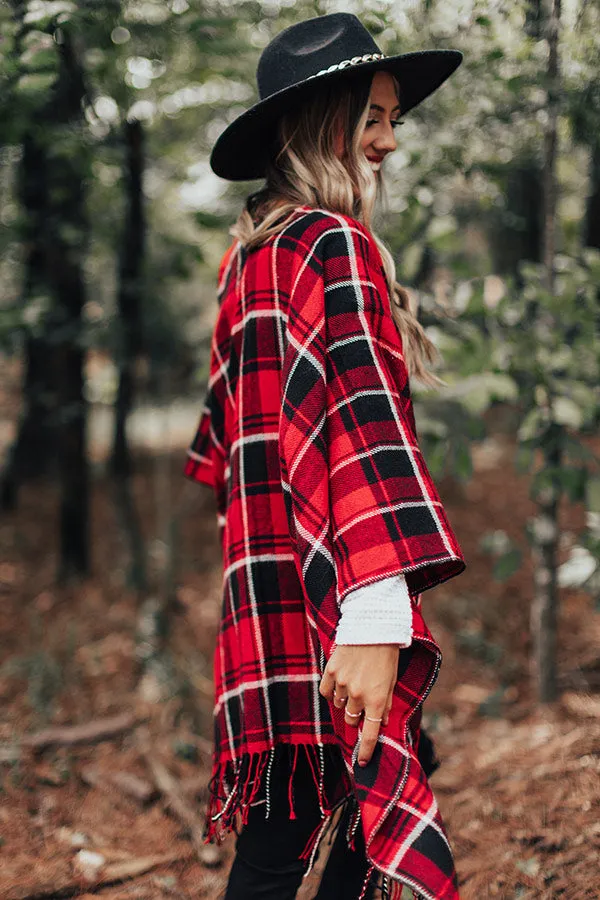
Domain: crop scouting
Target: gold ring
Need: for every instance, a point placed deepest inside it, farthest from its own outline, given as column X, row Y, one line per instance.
column 354, row 715
column 369, row 719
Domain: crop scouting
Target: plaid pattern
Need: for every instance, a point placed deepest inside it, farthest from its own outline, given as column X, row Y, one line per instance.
column 308, row 439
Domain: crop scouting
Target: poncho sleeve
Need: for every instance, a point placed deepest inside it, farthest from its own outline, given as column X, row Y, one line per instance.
column 361, row 501
column 206, row 458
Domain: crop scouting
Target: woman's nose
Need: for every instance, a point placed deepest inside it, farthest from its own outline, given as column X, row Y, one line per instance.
column 385, row 142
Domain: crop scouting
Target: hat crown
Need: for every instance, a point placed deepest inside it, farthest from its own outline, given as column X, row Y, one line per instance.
column 309, row 48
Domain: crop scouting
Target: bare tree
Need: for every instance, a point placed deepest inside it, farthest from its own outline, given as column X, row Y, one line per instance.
column 545, row 531
column 129, row 341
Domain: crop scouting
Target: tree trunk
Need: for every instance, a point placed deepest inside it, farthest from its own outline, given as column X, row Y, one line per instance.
column 160, row 675
column 524, row 192
column 524, row 201
column 129, row 344
column 591, row 236
column 544, row 608
column 66, row 240
column 534, row 18
column 52, row 190
column 130, row 292
column 33, row 451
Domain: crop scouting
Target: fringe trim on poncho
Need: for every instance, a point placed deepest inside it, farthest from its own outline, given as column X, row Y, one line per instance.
column 234, row 788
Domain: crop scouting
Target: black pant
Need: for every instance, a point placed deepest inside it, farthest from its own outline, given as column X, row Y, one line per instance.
column 267, row 865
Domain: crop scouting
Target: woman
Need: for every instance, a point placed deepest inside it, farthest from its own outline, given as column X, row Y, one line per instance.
column 330, row 524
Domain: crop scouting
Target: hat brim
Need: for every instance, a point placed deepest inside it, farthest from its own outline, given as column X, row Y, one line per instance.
column 242, row 150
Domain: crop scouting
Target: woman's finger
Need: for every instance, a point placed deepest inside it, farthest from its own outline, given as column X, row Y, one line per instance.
column 340, row 697
column 388, row 705
column 354, row 711
column 368, row 739
column 327, row 684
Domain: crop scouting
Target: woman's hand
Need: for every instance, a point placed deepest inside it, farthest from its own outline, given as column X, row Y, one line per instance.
column 361, row 678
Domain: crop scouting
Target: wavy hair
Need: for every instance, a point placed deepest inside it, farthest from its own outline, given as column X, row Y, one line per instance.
column 306, row 171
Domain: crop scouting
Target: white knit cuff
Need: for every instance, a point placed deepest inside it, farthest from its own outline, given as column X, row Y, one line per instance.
column 378, row 613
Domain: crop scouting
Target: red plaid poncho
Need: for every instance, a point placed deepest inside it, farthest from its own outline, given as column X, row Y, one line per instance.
column 308, row 439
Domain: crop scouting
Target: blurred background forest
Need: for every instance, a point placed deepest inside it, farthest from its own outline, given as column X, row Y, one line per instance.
column 110, row 572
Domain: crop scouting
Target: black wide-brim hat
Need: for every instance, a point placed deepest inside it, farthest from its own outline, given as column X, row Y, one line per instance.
column 303, row 56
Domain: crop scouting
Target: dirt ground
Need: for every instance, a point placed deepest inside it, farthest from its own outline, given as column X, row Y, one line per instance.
column 519, row 787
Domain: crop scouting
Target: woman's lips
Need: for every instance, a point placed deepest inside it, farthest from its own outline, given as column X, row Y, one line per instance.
column 375, row 162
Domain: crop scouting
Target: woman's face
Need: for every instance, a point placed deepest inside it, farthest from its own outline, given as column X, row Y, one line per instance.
column 378, row 139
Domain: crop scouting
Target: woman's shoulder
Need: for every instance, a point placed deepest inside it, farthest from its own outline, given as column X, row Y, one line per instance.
column 322, row 230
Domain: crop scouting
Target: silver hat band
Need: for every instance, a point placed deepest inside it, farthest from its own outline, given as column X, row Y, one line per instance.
column 355, row 61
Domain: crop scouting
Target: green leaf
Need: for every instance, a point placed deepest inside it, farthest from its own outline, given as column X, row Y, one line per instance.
column 463, row 463
column 592, row 493
column 208, row 220
column 491, row 707
column 567, row 412
column 577, row 571
column 573, row 481
column 577, row 451
column 35, row 83
column 515, row 84
column 495, row 542
column 40, row 59
column 524, row 458
column 543, row 479
column 477, row 392
column 507, row 564
column 532, row 425
column 436, row 458
column 186, row 750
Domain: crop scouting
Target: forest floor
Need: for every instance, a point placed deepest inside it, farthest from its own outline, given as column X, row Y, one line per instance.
column 104, row 816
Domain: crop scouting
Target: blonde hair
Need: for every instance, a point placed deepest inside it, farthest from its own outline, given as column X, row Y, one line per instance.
column 306, row 171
